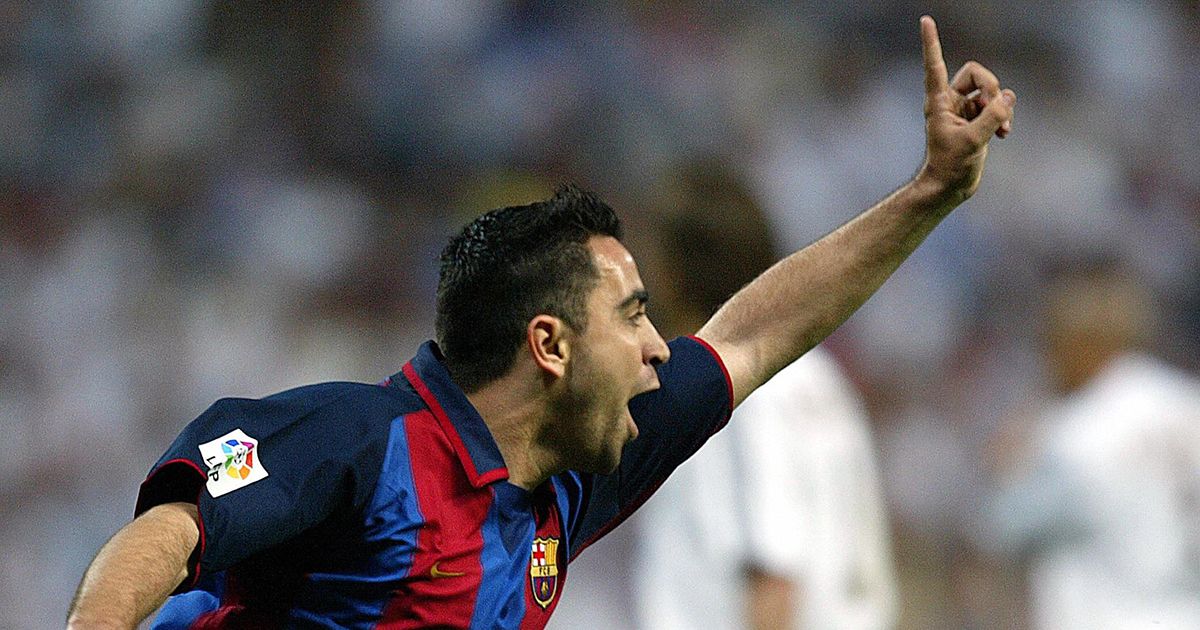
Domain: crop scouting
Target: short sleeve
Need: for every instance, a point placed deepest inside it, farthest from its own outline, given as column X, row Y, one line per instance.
column 693, row 402
column 264, row 471
column 775, row 476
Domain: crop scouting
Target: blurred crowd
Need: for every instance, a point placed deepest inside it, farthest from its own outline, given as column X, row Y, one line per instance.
column 227, row 199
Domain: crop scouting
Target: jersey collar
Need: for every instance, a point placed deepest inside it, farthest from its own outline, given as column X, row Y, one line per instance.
column 470, row 437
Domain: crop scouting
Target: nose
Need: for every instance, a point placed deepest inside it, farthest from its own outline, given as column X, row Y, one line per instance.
column 655, row 350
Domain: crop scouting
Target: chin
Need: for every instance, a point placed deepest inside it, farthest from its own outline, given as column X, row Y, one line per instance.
column 611, row 467
column 605, row 463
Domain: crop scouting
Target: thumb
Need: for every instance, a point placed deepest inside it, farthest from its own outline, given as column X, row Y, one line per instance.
column 997, row 112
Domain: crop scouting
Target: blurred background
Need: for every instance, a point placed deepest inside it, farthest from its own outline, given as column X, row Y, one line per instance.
column 203, row 199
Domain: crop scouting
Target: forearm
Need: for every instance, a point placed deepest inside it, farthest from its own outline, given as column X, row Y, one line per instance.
column 137, row 569
column 803, row 298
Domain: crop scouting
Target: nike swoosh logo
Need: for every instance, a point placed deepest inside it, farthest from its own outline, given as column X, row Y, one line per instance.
column 434, row 571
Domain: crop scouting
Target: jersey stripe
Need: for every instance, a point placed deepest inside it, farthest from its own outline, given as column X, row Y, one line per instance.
column 478, row 479
column 549, row 526
column 500, row 607
column 390, row 530
column 446, row 573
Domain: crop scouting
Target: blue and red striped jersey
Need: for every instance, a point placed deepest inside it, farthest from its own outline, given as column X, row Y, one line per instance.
column 388, row 506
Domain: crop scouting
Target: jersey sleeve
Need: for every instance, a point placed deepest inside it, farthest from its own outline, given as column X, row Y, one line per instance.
column 263, row 471
column 693, row 402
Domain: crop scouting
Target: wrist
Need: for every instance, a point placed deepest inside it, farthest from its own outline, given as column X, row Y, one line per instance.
column 933, row 192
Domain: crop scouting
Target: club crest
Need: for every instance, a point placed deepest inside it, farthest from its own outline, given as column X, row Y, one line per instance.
column 543, row 570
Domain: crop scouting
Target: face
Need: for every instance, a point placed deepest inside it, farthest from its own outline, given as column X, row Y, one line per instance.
column 613, row 361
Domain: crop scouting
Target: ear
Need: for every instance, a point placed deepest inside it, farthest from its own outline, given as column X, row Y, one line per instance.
column 546, row 336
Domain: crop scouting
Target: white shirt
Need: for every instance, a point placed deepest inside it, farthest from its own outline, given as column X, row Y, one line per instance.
column 791, row 487
column 1112, row 512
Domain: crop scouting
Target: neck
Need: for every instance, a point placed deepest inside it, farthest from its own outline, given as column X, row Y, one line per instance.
column 515, row 415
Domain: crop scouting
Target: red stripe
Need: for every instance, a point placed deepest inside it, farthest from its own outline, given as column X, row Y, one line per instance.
column 460, row 448
column 451, row 536
column 499, row 474
column 193, row 568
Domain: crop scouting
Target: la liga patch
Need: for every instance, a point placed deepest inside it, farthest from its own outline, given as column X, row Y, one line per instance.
column 233, row 462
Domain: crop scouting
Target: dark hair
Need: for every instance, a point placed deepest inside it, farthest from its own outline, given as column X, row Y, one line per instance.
column 510, row 265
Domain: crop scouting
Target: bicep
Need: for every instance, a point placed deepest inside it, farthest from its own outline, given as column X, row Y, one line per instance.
column 138, row 567
column 179, row 527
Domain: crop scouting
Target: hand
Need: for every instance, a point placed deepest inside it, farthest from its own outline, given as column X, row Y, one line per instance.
column 961, row 115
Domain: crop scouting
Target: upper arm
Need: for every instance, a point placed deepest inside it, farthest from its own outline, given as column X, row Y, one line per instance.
column 178, row 523
column 137, row 568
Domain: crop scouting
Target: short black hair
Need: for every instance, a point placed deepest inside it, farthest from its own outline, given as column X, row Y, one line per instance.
column 510, row 265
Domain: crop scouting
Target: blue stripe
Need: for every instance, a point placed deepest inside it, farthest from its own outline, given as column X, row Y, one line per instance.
column 391, row 525
column 568, row 494
column 499, row 604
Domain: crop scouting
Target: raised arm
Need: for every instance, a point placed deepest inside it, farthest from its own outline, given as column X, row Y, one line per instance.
column 800, row 300
column 136, row 569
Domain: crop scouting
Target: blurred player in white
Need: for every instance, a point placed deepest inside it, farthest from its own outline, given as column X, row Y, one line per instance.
column 1102, row 497
column 779, row 520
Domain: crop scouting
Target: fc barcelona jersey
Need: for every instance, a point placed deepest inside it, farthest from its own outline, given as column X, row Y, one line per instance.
column 351, row 505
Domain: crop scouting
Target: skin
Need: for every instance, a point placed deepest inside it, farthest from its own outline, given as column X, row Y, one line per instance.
column 800, row 300
column 766, row 326
column 770, row 600
column 567, row 406
column 1091, row 320
column 616, row 355
column 137, row 569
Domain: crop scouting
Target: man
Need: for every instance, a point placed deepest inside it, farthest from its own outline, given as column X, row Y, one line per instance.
column 1102, row 501
column 456, row 494
column 778, row 522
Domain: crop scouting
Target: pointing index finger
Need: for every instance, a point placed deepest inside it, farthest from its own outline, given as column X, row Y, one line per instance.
column 935, row 66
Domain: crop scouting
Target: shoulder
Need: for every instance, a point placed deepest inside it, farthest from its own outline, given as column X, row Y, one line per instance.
column 323, row 413
column 344, row 399
column 693, row 384
column 695, row 363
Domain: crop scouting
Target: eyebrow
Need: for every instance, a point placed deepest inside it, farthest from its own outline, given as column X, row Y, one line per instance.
column 639, row 296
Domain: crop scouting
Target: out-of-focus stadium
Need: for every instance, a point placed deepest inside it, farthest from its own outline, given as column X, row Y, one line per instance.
column 202, row 199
